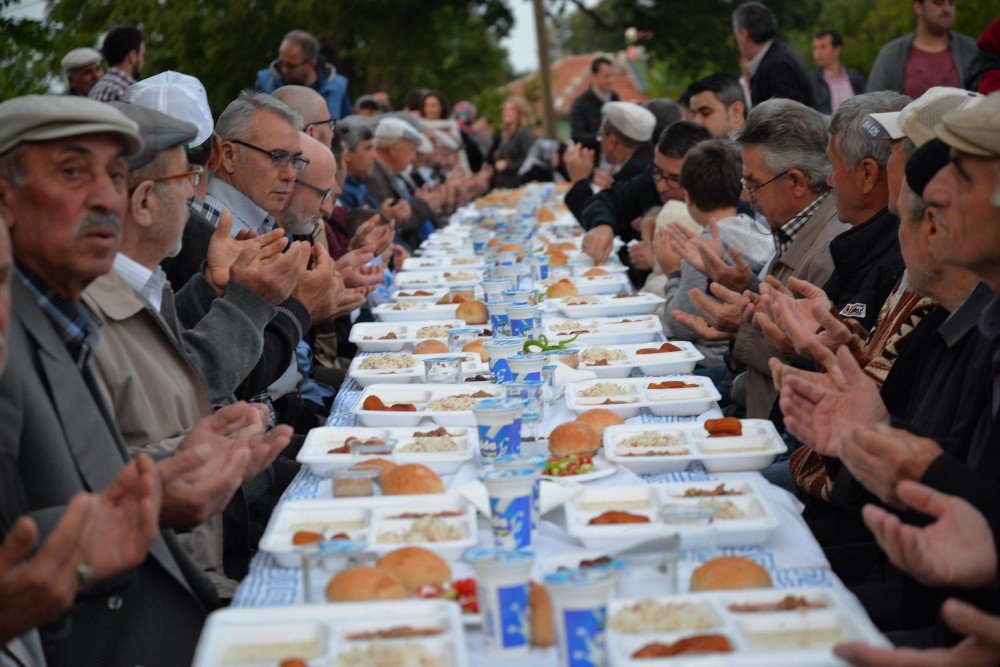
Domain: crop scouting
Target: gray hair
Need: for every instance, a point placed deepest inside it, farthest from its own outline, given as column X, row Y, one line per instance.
column 12, row 166
column 851, row 143
column 916, row 206
column 306, row 42
column 790, row 135
column 236, row 122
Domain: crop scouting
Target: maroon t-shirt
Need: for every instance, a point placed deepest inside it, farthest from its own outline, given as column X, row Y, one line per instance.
column 925, row 70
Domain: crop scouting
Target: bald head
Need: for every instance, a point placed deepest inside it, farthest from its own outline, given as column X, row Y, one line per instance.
column 307, row 203
column 312, row 107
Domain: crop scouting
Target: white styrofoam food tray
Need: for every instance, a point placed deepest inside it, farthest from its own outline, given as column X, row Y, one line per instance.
column 661, row 363
column 681, row 402
column 605, row 305
column 321, row 634
column 604, row 330
column 419, row 397
column 595, row 285
column 458, row 262
column 371, row 336
column 366, row 519
column 460, row 277
column 472, row 365
column 319, row 441
column 414, row 311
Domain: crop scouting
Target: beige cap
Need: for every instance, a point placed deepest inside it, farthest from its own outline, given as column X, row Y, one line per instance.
column 974, row 129
column 78, row 58
column 49, row 117
column 635, row 122
column 918, row 119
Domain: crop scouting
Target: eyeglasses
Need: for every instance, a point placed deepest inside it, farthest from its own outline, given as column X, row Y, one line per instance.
column 326, row 194
column 329, row 122
column 193, row 176
column 660, row 175
column 279, row 159
column 751, row 190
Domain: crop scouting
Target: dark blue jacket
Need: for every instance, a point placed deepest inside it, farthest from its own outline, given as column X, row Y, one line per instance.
column 329, row 84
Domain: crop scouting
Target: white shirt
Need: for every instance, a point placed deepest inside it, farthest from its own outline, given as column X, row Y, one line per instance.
column 755, row 61
column 147, row 283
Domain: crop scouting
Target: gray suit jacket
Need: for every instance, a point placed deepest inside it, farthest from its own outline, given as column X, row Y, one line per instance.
column 63, row 440
column 382, row 185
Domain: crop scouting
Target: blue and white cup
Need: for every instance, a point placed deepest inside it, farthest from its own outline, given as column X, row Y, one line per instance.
column 506, row 258
column 498, row 424
column 510, row 491
column 503, row 585
column 539, row 267
column 580, row 613
column 522, row 319
column 480, row 239
column 493, row 287
column 526, row 367
column 499, row 320
column 521, row 296
column 532, row 462
column 498, row 351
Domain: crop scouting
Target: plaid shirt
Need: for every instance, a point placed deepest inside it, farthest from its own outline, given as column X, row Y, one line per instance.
column 786, row 233
column 246, row 213
column 78, row 327
column 112, row 86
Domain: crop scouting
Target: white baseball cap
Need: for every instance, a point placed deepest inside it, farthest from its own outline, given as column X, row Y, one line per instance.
column 179, row 95
column 917, row 119
column 397, row 128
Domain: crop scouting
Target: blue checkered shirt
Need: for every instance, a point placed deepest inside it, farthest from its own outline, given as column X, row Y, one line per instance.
column 77, row 325
column 220, row 196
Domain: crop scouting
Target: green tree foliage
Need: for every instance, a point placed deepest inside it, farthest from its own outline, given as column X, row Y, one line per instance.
column 24, row 55
column 393, row 45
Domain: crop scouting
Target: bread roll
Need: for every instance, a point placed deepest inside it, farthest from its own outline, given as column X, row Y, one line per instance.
column 364, row 583
column 473, row 312
column 558, row 258
column 574, row 438
column 561, row 288
column 512, row 247
column 410, row 479
column 542, row 633
column 594, row 272
column 600, row 419
column 729, row 573
column 477, row 347
column 384, row 465
column 416, row 567
column 430, row 346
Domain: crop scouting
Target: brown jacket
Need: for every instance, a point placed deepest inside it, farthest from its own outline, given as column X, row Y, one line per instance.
column 807, row 258
column 154, row 392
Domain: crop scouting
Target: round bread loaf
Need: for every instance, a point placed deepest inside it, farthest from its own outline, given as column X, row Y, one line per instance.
column 416, row 567
column 729, row 573
column 574, row 438
column 410, row 479
column 364, row 583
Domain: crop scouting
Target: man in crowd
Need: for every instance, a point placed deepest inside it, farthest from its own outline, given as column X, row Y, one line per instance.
column 300, row 63
column 63, row 177
column 311, row 107
column 82, row 69
column 625, row 136
column 832, row 82
column 585, row 114
column 933, row 55
column 716, row 102
column 776, row 69
column 124, row 50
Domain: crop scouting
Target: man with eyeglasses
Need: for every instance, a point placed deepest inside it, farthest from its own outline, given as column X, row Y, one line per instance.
column 300, row 63
column 310, row 105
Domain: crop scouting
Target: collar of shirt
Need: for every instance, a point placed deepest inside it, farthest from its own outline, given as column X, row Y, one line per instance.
column 77, row 325
column 989, row 318
column 787, row 232
column 603, row 98
column 245, row 211
column 754, row 63
column 147, row 284
column 199, row 207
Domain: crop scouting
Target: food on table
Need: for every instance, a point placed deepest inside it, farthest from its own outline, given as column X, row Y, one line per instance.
column 653, row 616
column 327, row 526
column 600, row 419
column 787, row 603
column 364, row 583
column 407, row 305
column 385, row 466
column 595, row 272
column 457, row 402
column 562, row 246
column 726, row 427
column 672, row 384
column 601, row 356
column 615, row 517
column 293, row 662
column 462, row 261
column 726, row 509
column 412, row 478
column 359, row 484
column 430, row 346
column 433, row 331
column 545, row 214
column 543, row 345
column 416, row 567
column 720, row 490
column 461, row 277
column 389, row 336
column 666, row 347
column 568, row 325
column 449, row 300
column 581, row 301
column 444, row 514
column 472, row 312
column 253, row 653
column 306, row 537
column 343, row 449
column 789, row 640
column 512, row 247
column 478, row 378
column 398, row 632
column 574, row 438
column 477, row 347
column 427, row 529
column 558, row 258
column 560, row 288
column 598, row 505
column 438, row 440
column 568, row 466
column 383, row 362
column 373, row 402
column 729, row 573
column 650, row 439
column 602, row 389
column 687, row 646
column 407, row 654
column 419, row 292
column 626, row 295
column 635, row 453
column 540, row 603
column 462, row 591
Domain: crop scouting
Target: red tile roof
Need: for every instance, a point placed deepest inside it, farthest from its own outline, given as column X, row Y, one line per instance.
column 571, row 77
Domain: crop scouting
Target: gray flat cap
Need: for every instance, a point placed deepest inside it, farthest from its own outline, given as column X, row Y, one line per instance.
column 78, row 58
column 975, row 128
column 635, row 122
column 49, row 117
column 355, row 129
column 158, row 131
column 397, row 128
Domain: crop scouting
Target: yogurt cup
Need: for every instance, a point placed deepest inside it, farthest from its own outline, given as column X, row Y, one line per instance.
column 522, row 320
column 480, row 239
column 506, row 258
column 531, row 462
column 459, row 338
column 526, row 367
column 495, row 286
column 649, row 575
column 443, row 370
column 510, row 492
column 521, row 296
column 498, row 423
column 579, row 612
column 503, row 585
column 498, row 351
column 499, row 320
column 539, row 267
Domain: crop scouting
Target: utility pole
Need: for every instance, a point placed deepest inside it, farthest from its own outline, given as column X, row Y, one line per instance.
column 544, row 70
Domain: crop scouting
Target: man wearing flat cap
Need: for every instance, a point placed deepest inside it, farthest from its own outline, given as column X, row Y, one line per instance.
column 63, row 194
column 625, row 147
column 82, row 69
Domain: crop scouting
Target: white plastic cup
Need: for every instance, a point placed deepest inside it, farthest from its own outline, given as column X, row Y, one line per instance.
column 443, row 370
column 499, row 320
column 580, row 611
column 498, row 423
column 526, row 367
column 480, row 239
column 496, row 286
column 534, row 462
column 503, row 586
column 498, row 351
column 510, row 491
column 522, row 319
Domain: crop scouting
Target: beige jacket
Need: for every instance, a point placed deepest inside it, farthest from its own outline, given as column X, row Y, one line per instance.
column 807, row 258
column 156, row 395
